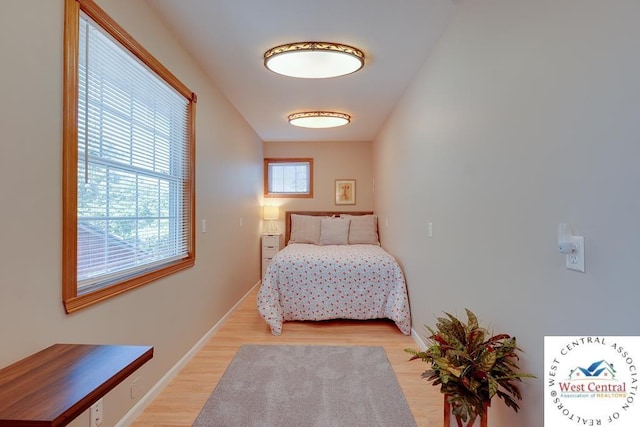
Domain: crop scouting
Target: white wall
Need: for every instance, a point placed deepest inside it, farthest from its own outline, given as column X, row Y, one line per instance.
column 170, row 314
column 527, row 114
column 331, row 160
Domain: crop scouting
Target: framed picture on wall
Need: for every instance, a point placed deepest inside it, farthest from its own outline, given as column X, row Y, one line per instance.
column 345, row 191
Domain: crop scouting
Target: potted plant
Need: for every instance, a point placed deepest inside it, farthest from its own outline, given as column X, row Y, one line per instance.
column 471, row 366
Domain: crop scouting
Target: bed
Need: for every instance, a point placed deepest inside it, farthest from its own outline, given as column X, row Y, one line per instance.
column 333, row 267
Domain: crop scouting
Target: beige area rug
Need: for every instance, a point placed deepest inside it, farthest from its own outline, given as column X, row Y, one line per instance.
column 294, row 385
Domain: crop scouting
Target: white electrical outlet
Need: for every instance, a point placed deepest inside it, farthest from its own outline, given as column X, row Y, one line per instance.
column 96, row 414
column 575, row 260
column 135, row 388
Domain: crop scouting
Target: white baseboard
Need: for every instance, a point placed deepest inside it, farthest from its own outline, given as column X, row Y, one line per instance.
column 418, row 339
column 142, row 404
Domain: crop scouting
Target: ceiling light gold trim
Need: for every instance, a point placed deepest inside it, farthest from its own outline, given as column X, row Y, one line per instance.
column 312, row 119
column 354, row 56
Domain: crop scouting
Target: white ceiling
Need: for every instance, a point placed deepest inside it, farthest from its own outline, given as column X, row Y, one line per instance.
column 228, row 39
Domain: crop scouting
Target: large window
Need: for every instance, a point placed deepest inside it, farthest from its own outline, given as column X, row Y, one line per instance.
column 128, row 168
column 288, row 177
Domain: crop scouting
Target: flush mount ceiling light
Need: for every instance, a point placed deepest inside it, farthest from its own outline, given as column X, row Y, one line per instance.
column 314, row 60
column 319, row 119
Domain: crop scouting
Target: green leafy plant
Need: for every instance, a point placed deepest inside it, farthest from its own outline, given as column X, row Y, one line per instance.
column 471, row 365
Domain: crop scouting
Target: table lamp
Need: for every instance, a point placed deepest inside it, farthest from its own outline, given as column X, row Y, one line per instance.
column 271, row 214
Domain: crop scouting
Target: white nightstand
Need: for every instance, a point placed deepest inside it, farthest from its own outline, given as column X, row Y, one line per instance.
column 271, row 244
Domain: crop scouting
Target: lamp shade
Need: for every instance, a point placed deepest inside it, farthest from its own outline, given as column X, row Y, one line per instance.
column 270, row 213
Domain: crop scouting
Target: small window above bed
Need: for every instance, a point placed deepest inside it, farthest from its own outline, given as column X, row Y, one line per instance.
column 288, row 177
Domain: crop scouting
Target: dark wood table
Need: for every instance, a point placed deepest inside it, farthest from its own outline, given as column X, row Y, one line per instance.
column 55, row 385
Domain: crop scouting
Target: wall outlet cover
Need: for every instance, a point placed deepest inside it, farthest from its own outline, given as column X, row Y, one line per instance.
column 575, row 261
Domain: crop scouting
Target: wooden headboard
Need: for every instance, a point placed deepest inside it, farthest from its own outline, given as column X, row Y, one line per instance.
column 287, row 227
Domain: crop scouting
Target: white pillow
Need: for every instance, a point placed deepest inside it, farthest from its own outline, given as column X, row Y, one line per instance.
column 363, row 229
column 334, row 231
column 305, row 229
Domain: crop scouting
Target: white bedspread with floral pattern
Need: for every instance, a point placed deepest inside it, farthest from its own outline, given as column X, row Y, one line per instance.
column 311, row 282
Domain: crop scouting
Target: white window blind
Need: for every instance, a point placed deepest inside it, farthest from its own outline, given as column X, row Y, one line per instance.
column 133, row 165
column 289, row 177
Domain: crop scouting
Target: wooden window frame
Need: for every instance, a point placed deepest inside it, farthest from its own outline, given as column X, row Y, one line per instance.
column 71, row 300
column 267, row 161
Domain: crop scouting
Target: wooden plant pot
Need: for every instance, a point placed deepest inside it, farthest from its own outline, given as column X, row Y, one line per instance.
column 451, row 421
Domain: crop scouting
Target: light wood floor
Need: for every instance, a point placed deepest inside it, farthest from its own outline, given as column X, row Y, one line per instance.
column 180, row 402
